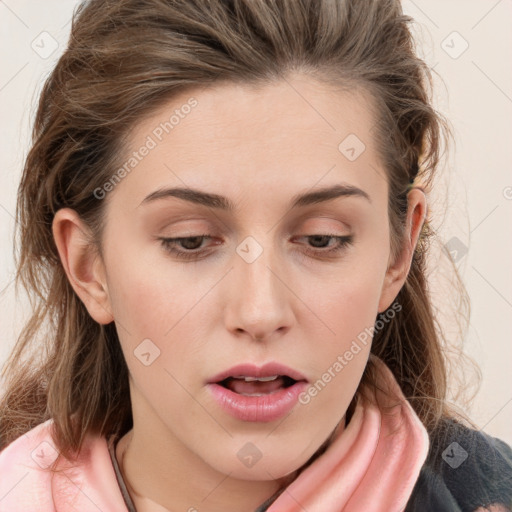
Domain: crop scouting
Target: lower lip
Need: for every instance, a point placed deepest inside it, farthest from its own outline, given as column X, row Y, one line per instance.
column 262, row 408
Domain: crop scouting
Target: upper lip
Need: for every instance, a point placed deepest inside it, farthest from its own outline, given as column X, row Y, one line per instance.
column 251, row 370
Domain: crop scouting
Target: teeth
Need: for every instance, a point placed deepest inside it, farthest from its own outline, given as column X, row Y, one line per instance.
column 252, row 379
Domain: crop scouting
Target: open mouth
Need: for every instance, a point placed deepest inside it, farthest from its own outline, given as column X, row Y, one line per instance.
column 258, row 393
column 252, row 386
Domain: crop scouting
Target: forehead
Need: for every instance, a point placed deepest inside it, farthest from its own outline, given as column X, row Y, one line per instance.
column 232, row 138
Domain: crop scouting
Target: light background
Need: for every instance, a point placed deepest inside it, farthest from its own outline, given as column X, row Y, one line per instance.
column 473, row 200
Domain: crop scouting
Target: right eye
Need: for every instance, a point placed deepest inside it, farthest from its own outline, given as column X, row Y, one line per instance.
column 191, row 243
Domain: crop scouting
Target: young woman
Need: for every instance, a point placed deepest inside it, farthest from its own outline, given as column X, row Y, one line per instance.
column 224, row 223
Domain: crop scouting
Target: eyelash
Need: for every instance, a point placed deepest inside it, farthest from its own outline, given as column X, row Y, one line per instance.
column 169, row 245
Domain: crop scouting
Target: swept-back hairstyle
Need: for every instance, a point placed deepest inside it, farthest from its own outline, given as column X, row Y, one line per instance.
column 124, row 59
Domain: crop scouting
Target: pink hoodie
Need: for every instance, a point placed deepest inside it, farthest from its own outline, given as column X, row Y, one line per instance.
column 25, row 486
column 378, row 454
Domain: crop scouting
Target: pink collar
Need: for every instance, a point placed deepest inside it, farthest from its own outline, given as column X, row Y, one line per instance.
column 371, row 465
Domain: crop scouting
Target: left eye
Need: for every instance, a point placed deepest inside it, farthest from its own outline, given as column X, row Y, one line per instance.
column 342, row 241
column 191, row 244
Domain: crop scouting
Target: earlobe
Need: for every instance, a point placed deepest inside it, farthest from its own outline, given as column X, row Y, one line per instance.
column 397, row 272
column 83, row 267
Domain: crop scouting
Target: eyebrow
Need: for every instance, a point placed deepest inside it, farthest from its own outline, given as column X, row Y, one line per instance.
column 223, row 203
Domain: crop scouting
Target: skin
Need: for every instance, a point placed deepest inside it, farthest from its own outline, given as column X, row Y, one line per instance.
column 259, row 148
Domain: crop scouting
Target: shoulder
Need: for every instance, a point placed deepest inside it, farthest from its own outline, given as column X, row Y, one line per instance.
column 85, row 483
column 23, row 481
column 465, row 469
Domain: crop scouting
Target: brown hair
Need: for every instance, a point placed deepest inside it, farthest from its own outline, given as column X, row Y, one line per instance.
column 123, row 60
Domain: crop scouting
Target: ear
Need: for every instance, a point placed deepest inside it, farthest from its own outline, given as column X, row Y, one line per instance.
column 397, row 271
column 83, row 266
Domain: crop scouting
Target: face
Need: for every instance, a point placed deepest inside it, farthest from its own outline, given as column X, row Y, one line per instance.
column 257, row 277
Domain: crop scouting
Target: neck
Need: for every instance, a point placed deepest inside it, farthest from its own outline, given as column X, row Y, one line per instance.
column 153, row 488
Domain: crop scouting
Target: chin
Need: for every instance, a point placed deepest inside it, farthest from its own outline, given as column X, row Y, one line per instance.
column 270, row 471
column 251, row 463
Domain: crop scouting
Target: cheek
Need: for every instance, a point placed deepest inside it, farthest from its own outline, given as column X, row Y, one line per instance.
column 155, row 320
column 350, row 298
column 147, row 292
column 347, row 304
column 348, row 309
column 157, row 301
column 348, row 313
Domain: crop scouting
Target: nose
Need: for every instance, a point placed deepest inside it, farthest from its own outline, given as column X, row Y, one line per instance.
column 258, row 303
